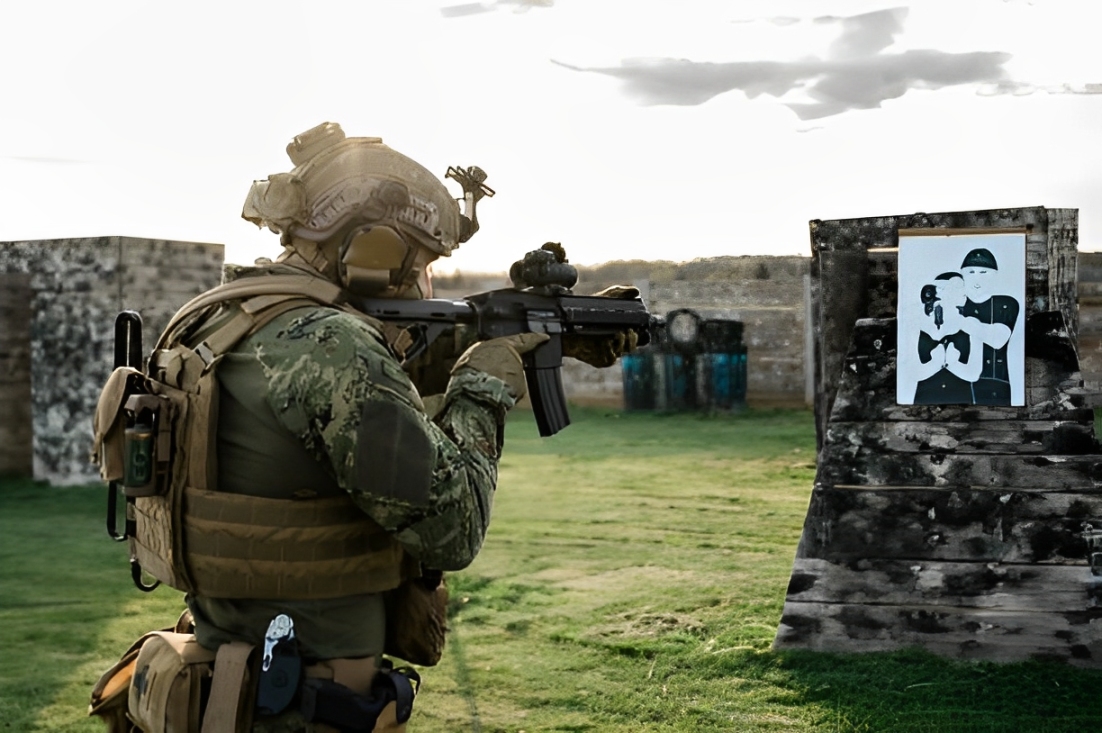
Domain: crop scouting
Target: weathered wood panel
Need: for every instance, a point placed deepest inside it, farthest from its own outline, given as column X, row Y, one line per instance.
column 847, row 525
column 977, row 634
column 991, row 436
column 853, row 465
column 1067, row 406
column 1063, row 247
column 860, row 282
column 834, row 315
column 883, row 284
column 1003, row 586
column 867, row 380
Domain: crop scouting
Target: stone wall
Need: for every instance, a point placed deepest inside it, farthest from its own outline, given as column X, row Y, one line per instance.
column 74, row 289
column 15, row 373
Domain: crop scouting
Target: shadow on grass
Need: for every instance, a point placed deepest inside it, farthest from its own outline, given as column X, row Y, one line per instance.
column 689, row 686
column 916, row 691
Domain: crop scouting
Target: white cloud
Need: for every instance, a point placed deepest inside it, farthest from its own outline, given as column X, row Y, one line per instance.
column 856, row 72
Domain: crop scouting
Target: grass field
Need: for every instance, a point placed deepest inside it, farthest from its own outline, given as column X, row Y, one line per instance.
column 632, row 581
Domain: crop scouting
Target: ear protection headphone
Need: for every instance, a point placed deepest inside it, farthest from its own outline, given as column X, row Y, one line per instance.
column 375, row 259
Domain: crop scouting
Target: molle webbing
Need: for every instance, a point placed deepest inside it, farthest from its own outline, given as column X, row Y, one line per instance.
column 250, row 547
column 223, row 545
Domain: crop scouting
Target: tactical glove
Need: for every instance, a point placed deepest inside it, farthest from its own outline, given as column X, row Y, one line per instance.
column 603, row 351
column 500, row 357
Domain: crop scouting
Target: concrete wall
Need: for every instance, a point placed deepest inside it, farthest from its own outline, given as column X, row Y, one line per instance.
column 73, row 288
column 766, row 293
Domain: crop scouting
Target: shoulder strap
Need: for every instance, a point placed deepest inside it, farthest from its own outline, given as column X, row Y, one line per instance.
column 181, row 365
column 262, row 288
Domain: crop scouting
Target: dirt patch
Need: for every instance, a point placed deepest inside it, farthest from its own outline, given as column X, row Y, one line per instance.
column 646, row 625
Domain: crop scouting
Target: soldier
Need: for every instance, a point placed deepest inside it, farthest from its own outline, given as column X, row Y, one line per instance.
column 994, row 317
column 319, row 500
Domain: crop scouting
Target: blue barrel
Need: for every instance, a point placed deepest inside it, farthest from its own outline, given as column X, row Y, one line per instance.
column 639, row 380
column 692, row 363
column 727, row 380
column 680, row 373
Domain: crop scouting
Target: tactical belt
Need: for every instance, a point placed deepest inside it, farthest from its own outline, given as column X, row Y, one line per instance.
column 331, row 703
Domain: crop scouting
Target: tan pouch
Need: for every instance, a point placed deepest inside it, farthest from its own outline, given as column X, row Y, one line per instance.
column 109, row 424
column 111, row 694
column 417, row 619
column 166, row 690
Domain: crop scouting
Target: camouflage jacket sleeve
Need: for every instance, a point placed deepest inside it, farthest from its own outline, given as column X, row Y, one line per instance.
column 334, row 383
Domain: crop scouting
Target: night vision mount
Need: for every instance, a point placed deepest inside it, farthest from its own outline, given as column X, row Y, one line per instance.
column 473, row 181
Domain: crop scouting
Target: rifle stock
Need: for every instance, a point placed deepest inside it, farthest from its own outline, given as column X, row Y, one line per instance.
column 507, row 312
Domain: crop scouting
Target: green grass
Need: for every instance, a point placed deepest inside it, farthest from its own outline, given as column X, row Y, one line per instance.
column 632, row 581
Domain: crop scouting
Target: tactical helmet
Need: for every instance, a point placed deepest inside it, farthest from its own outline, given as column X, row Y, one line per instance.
column 337, row 179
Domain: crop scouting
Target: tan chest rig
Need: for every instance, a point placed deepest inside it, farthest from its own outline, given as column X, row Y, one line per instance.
column 155, row 433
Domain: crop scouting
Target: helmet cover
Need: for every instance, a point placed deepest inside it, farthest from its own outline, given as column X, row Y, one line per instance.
column 338, row 179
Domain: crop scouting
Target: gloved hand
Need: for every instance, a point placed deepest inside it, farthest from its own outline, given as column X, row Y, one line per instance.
column 500, row 357
column 603, row 351
column 623, row 292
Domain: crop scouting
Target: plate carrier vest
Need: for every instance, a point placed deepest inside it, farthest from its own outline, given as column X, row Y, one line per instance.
column 191, row 536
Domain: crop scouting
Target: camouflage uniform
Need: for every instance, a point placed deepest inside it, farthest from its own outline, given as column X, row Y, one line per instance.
column 292, row 399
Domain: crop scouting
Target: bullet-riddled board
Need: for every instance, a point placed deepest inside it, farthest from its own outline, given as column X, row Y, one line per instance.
column 957, row 528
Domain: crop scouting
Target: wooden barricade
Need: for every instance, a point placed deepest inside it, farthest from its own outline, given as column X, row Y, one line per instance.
column 955, row 528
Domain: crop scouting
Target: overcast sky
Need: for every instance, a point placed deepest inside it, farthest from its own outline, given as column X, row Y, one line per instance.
column 621, row 128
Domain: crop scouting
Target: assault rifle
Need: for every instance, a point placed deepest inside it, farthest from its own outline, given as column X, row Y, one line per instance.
column 550, row 309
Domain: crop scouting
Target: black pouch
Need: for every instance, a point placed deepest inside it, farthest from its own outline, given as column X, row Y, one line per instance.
column 325, row 701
